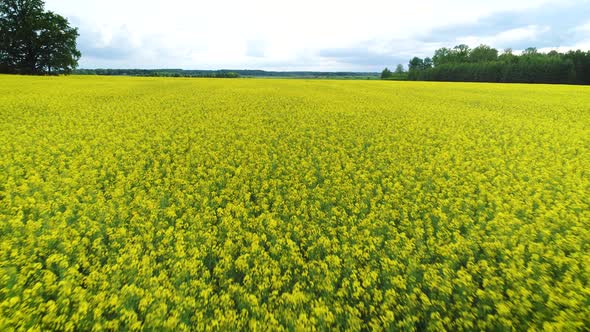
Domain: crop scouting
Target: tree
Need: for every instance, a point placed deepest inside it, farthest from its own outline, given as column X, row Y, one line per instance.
column 386, row 73
column 399, row 69
column 33, row 41
column 442, row 56
column 17, row 31
column 530, row 51
column 483, row 53
column 508, row 56
column 416, row 64
column 482, row 64
column 581, row 61
column 57, row 44
column 461, row 52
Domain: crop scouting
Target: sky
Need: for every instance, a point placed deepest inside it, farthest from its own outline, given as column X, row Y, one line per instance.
column 318, row 35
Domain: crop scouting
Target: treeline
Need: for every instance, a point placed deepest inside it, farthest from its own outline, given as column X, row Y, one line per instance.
column 305, row 74
column 486, row 64
column 159, row 73
column 398, row 75
column 224, row 73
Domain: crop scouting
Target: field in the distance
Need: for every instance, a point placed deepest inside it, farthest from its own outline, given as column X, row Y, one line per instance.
column 143, row 203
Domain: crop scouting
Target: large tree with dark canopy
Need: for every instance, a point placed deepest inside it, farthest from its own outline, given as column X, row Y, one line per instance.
column 35, row 41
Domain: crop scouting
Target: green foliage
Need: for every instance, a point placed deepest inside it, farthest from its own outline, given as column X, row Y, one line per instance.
column 386, row 73
column 416, row 64
column 483, row 53
column 33, row 41
column 462, row 53
column 57, row 44
column 581, row 62
column 398, row 75
column 227, row 205
column 533, row 70
column 443, row 56
column 482, row 64
column 224, row 73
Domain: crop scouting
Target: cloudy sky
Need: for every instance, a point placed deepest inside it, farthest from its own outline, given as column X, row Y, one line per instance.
column 328, row 35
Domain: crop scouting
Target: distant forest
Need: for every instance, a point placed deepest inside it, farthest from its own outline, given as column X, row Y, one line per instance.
column 485, row 64
column 224, row 73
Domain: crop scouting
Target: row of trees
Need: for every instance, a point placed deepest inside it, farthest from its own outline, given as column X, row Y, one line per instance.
column 399, row 73
column 159, row 73
column 486, row 64
column 35, row 41
column 226, row 73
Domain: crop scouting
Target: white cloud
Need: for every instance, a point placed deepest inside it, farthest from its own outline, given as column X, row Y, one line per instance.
column 530, row 32
column 583, row 45
column 584, row 28
column 265, row 34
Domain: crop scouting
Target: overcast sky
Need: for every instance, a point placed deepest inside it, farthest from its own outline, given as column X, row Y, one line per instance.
column 328, row 35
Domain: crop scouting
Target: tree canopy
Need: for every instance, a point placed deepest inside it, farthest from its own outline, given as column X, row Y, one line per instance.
column 35, row 41
column 484, row 64
column 386, row 73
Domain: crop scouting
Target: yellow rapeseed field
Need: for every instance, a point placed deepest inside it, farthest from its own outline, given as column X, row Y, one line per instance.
column 197, row 204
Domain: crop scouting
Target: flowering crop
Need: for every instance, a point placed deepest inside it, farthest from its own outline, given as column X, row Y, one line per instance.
column 196, row 204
